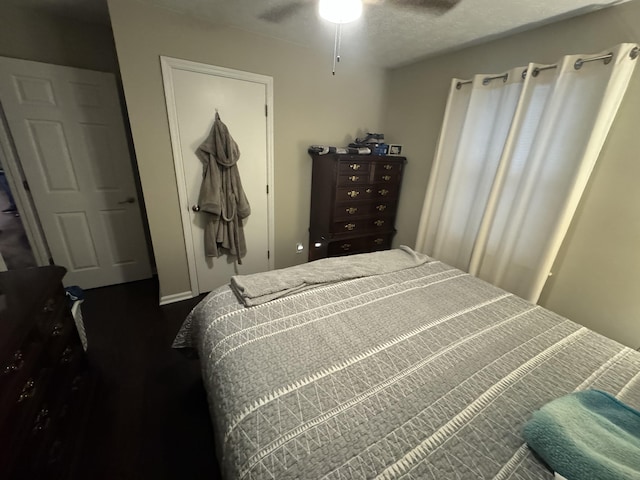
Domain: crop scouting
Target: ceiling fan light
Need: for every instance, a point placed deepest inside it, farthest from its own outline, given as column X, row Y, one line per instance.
column 340, row 11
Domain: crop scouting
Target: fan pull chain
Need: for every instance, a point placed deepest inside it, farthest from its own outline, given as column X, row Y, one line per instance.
column 336, row 46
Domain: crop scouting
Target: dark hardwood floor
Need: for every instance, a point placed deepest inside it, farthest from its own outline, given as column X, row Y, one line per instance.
column 150, row 417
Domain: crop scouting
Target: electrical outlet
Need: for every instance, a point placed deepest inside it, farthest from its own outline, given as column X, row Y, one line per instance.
column 299, row 248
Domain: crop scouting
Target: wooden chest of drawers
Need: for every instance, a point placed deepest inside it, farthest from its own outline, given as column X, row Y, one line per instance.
column 354, row 199
column 45, row 382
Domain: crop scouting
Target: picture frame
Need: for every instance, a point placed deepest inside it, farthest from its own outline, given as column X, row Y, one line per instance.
column 395, row 150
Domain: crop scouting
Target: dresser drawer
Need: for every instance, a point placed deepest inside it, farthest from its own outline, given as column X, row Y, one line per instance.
column 360, row 245
column 385, row 192
column 366, row 192
column 360, row 225
column 23, row 354
column 353, row 179
column 15, row 427
column 354, row 165
column 349, row 194
column 50, row 311
column 383, row 208
column 55, row 410
column 390, row 167
column 351, row 211
column 63, row 443
column 389, row 178
column 62, row 334
column 26, row 362
column 357, row 209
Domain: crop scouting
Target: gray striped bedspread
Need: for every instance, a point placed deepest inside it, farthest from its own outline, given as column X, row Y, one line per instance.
column 424, row 373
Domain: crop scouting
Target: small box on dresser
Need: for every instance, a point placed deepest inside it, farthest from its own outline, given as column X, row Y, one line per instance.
column 45, row 381
column 354, row 199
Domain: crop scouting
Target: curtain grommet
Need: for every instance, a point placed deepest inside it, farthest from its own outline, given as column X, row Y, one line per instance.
column 486, row 80
column 606, row 59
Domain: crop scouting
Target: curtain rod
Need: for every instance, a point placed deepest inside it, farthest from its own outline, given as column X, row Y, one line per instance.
column 633, row 54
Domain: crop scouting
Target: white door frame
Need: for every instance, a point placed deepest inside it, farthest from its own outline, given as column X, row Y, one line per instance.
column 28, row 213
column 170, row 64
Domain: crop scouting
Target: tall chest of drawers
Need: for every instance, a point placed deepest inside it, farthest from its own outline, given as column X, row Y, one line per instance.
column 45, row 382
column 354, row 199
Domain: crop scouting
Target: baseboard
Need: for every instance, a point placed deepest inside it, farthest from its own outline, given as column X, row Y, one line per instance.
column 176, row 297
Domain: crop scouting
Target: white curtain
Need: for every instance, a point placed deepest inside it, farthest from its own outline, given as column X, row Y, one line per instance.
column 515, row 153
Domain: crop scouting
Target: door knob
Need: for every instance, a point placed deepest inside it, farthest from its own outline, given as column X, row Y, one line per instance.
column 196, row 208
column 128, row 200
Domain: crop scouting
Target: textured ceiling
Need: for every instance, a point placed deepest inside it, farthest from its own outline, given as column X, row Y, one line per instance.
column 386, row 34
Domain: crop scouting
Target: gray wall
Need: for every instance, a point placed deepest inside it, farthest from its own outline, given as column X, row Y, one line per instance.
column 310, row 107
column 597, row 273
column 37, row 36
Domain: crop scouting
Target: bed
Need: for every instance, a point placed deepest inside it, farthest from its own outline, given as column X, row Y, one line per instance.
column 388, row 365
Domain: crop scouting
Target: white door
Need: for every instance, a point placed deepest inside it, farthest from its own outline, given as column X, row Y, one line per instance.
column 194, row 92
column 68, row 130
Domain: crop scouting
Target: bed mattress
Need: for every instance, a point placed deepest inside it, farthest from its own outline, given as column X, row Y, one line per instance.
column 425, row 373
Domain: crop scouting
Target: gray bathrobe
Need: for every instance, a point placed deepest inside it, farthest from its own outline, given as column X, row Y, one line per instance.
column 221, row 195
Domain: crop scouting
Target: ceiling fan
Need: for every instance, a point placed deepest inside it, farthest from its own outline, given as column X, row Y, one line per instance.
column 288, row 10
column 345, row 11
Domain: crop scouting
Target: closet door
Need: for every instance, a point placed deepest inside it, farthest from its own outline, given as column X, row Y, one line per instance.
column 194, row 91
column 67, row 127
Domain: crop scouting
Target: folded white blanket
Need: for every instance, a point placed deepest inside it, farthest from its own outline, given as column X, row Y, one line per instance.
column 260, row 288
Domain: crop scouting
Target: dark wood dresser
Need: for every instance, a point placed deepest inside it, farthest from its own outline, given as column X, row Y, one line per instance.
column 45, row 382
column 354, row 199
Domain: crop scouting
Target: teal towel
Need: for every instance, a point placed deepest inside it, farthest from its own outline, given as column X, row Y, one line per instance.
column 587, row 435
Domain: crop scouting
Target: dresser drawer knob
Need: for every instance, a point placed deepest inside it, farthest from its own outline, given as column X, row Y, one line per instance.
column 383, row 192
column 379, row 223
column 381, row 208
column 42, row 420
column 386, row 178
column 345, row 246
column 354, row 178
column 351, row 210
column 388, row 167
column 77, row 383
column 368, row 190
column 27, row 391
column 350, row 226
column 57, row 329
column 49, row 306
column 353, row 193
column 378, row 241
column 16, row 363
column 66, row 355
column 354, row 166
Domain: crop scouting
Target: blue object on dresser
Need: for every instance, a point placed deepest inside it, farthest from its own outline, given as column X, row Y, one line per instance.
column 380, row 149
